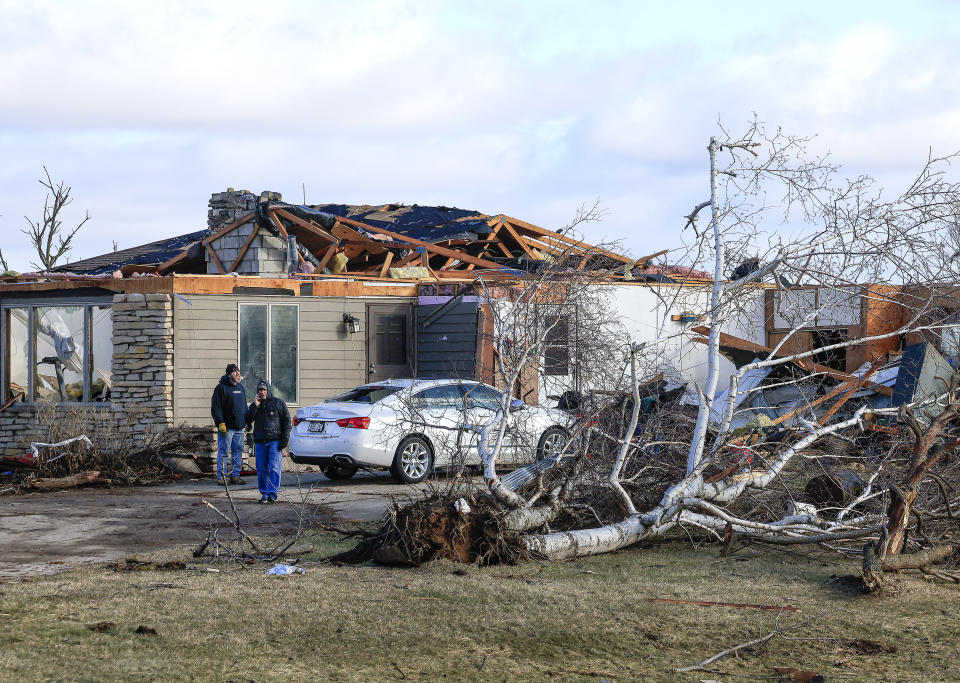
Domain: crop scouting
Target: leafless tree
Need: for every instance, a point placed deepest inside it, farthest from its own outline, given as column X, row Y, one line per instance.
column 645, row 459
column 845, row 238
column 47, row 234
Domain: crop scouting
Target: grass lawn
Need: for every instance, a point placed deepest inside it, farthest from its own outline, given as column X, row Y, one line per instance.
column 588, row 619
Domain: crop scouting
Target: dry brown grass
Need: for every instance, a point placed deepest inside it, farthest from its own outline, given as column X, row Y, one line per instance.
column 585, row 620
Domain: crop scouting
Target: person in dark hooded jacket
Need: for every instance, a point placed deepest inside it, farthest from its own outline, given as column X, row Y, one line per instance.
column 271, row 434
column 228, row 407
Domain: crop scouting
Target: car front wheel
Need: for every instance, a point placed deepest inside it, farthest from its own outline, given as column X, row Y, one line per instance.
column 552, row 442
column 413, row 460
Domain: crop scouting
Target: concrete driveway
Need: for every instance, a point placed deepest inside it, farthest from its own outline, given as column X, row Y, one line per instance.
column 43, row 533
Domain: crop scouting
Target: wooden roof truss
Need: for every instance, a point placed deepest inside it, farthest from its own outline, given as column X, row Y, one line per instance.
column 372, row 250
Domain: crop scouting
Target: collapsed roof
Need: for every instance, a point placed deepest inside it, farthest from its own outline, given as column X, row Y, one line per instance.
column 389, row 240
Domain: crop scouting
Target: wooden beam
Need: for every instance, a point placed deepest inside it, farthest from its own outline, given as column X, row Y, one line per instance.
column 406, row 260
column 536, row 229
column 386, row 264
column 425, row 259
column 309, row 226
column 544, row 246
column 644, row 260
column 855, row 386
column 279, row 224
column 174, row 261
column 522, row 242
column 245, row 247
column 286, row 235
column 483, row 263
column 216, row 259
column 489, row 239
column 331, row 250
column 230, row 228
column 803, row 363
column 348, row 235
column 502, row 247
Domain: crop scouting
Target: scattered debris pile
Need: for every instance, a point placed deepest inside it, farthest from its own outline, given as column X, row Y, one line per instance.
column 105, row 459
column 802, row 453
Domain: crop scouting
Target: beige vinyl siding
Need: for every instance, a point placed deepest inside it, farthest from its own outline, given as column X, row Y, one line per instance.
column 205, row 340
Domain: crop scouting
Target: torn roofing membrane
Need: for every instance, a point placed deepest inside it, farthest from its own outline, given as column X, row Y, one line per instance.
column 427, row 223
column 152, row 254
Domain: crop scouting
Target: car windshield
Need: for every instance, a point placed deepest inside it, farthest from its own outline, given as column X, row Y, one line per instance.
column 370, row 394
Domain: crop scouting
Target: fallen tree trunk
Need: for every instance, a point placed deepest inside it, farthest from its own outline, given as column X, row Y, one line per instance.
column 874, row 566
column 926, row 454
column 72, row 481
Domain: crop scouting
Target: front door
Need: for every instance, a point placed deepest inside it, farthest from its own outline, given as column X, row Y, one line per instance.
column 390, row 343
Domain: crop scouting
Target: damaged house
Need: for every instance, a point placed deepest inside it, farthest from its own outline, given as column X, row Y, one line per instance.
column 319, row 299
column 314, row 299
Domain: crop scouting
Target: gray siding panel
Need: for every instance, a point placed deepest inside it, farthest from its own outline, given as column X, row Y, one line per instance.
column 447, row 348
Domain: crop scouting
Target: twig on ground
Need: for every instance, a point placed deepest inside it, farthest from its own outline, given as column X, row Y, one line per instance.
column 756, row 641
column 738, row 605
column 236, row 525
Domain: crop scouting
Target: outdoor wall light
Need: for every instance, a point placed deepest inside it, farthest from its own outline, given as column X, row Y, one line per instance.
column 352, row 322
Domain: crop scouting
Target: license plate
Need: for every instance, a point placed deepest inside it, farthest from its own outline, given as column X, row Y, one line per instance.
column 315, row 426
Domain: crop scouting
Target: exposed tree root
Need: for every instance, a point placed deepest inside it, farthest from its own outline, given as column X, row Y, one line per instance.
column 468, row 530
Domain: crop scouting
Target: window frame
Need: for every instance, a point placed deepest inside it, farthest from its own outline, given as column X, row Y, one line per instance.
column 268, row 350
column 556, row 339
column 88, row 303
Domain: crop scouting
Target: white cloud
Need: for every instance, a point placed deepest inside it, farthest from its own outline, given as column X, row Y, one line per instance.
column 525, row 108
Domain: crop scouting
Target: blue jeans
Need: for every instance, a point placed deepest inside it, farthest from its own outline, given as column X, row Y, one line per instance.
column 233, row 440
column 268, row 467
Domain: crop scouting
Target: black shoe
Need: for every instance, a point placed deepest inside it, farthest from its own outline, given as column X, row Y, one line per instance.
column 264, row 499
column 272, row 499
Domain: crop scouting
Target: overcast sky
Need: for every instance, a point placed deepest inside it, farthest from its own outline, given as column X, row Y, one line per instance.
column 524, row 108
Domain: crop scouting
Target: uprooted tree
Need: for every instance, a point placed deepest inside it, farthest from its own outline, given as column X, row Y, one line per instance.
column 789, row 444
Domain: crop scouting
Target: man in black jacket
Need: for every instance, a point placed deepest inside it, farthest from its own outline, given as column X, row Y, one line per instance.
column 271, row 434
column 228, row 409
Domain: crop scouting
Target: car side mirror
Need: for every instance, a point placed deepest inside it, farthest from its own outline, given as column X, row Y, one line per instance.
column 516, row 404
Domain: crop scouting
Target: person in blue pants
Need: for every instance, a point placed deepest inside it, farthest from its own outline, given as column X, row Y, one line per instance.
column 227, row 408
column 271, row 434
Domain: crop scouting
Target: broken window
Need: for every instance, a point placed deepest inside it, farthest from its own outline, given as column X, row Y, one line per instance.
column 17, row 344
column 950, row 336
column 269, row 342
column 58, row 354
column 283, row 351
column 58, row 359
column 832, row 358
column 556, row 347
column 101, row 344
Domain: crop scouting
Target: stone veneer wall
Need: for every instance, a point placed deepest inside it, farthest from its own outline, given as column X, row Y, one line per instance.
column 143, row 358
column 142, row 394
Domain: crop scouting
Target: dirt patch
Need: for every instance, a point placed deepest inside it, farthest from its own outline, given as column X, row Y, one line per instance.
column 44, row 533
